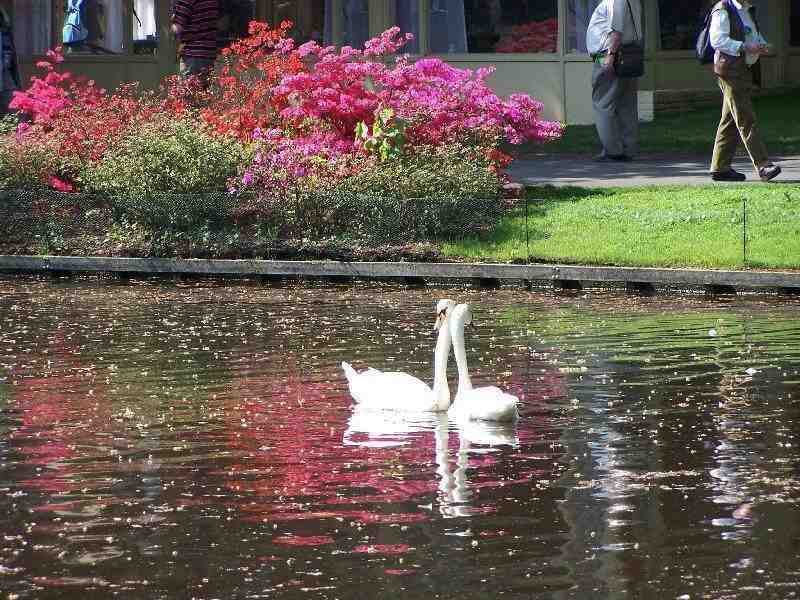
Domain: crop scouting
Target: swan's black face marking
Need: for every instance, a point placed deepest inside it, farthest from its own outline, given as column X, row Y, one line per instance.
column 440, row 317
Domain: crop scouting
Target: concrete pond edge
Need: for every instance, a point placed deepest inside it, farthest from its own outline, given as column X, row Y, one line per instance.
column 563, row 276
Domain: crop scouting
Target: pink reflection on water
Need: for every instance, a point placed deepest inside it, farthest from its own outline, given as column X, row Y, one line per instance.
column 399, row 572
column 303, row 540
column 288, row 432
column 298, row 452
column 388, row 549
column 61, row 411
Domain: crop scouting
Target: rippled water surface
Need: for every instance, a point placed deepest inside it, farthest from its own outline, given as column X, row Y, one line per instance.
column 197, row 439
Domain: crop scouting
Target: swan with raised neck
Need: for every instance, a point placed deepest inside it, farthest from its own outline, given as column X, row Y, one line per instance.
column 484, row 403
column 401, row 391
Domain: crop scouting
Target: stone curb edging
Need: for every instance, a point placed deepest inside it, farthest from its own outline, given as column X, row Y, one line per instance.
column 555, row 273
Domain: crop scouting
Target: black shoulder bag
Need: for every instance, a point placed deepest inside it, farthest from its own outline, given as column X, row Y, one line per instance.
column 629, row 59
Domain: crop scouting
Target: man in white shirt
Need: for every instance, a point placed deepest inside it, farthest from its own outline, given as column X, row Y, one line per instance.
column 738, row 44
column 615, row 100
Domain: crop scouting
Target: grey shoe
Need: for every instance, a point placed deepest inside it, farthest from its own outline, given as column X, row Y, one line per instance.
column 769, row 172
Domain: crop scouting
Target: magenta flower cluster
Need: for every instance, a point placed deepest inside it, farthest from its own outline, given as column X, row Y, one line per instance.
column 320, row 107
column 440, row 102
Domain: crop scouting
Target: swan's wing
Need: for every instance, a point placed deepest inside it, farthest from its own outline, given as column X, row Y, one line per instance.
column 391, row 391
column 488, row 404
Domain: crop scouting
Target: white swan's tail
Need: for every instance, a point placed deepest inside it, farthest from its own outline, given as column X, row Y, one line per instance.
column 349, row 371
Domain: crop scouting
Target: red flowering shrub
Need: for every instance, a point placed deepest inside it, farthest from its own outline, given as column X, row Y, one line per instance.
column 51, row 94
column 536, row 36
column 437, row 104
column 242, row 99
column 75, row 119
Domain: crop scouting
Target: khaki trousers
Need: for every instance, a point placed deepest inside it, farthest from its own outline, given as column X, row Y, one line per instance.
column 738, row 121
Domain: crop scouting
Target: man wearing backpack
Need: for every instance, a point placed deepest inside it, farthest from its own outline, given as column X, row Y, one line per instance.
column 195, row 25
column 737, row 42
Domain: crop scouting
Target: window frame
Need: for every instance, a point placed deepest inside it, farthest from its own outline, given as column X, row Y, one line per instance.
column 158, row 27
column 493, row 57
column 265, row 11
column 791, row 49
column 57, row 24
column 673, row 52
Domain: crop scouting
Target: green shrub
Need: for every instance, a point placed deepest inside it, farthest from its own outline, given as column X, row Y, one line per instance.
column 376, row 218
column 166, row 157
column 8, row 123
column 454, row 171
column 430, row 194
column 25, row 165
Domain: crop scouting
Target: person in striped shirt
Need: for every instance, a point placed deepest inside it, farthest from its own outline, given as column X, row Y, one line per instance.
column 195, row 25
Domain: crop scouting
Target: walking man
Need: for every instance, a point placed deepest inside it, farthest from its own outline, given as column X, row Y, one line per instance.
column 615, row 99
column 737, row 44
column 195, row 24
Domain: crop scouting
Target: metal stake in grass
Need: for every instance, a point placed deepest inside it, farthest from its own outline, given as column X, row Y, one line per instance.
column 744, row 231
column 527, row 234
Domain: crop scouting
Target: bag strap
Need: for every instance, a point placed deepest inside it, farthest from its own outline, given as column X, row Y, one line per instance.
column 733, row 13
column 633, row 20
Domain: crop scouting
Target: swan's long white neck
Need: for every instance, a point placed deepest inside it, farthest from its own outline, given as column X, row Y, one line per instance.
column 441, row 391
column 464, row 382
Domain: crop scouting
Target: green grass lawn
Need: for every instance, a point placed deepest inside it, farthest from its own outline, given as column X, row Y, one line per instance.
column 693, row 132
column 668, row 226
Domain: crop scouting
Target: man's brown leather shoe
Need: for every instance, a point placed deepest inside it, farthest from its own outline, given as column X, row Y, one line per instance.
column 729, row 175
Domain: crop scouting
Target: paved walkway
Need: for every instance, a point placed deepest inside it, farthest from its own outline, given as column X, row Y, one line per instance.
column 582, row 171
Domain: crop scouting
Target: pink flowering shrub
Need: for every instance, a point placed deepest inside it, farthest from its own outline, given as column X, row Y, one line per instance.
column 282, row 163
column 437, row 104
column 303, row 111
column 78, row 122
column 49, row 95
column 440, row 103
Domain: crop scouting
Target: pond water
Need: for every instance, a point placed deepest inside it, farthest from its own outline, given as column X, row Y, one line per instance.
column 197, row 440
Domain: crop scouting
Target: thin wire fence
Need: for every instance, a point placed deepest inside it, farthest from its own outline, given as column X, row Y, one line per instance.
column 735, row 233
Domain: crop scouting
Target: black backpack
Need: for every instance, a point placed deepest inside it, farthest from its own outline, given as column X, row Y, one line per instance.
column 703, row 48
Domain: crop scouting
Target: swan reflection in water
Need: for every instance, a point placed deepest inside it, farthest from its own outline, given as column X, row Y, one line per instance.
column 376, row 429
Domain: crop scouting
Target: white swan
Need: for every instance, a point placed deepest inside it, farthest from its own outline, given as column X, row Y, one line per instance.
column 481, row 404
column 400, row 391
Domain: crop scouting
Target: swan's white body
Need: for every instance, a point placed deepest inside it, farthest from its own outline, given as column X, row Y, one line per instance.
column 401, row 391
column 479, row 404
